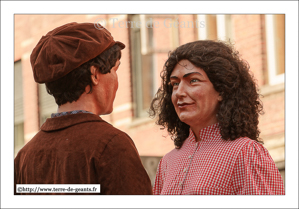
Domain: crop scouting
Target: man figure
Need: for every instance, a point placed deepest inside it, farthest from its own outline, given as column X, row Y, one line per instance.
column 78, row 65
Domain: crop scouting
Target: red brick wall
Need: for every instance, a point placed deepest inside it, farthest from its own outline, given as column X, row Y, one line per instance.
column 272, row 122
column 187, row 33
column 248, row 30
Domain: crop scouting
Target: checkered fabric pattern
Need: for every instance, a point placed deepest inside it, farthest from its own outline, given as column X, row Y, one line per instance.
column 214, row 166
column 53, row 115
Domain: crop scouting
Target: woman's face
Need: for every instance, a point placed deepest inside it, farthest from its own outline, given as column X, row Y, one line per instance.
column 195, row 100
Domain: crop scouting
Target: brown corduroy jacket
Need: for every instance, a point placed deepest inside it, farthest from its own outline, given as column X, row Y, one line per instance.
column 82, row 149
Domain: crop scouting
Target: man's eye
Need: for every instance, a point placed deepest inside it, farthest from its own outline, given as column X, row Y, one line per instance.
column 175, row 84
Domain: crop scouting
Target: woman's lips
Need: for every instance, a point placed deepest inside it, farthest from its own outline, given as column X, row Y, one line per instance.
column 184, row 105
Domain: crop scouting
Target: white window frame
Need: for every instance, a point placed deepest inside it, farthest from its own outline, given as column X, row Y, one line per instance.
column 271, row 50
column 143, row 34
column 202, row 32
column 223, row 28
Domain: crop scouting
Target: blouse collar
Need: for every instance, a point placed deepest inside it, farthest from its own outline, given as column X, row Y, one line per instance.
column 206, row 133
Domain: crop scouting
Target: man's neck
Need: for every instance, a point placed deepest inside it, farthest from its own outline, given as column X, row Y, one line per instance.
column 83, row 103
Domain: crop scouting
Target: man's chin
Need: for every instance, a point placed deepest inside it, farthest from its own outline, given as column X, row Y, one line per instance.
column 108, row 111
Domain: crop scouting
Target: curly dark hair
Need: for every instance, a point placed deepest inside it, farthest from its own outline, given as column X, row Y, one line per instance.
column 71, row 86
column 241, row 105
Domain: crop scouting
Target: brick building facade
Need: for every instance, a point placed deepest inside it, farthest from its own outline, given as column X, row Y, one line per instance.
column 149, row 38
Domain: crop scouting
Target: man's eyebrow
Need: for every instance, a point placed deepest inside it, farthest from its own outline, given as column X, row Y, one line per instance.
column 187, row 74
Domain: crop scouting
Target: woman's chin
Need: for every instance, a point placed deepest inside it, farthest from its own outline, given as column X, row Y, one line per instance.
column 185, row 118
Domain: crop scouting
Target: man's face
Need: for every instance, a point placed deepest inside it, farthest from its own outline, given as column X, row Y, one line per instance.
column 194, row 98
column 108, row 88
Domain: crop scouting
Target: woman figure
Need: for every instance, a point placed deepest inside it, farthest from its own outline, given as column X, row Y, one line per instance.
column 209, row 104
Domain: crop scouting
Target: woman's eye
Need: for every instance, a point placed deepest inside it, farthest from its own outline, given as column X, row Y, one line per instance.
column 194, row 80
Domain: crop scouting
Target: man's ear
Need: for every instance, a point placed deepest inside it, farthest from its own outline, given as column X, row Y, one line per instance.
column 94, row 75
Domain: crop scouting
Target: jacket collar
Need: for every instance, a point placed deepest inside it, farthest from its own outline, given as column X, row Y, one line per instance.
column 57, row 123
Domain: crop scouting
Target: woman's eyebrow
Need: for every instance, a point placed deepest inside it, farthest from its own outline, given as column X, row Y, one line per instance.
column 174, row 77
column 187, row 74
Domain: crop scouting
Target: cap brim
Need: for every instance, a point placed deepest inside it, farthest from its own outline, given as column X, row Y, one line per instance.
column 122, row 46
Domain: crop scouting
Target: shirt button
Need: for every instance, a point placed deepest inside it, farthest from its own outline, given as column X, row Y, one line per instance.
column 185, row 169
column 180, row 183
column 189, row 156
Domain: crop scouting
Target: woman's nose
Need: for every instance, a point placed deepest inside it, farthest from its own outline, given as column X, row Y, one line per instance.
column 181, row 91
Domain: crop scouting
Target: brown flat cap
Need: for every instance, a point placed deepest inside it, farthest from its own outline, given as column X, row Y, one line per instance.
column 67, row 47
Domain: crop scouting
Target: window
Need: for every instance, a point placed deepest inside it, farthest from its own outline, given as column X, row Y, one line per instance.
column 150, row 163
column 142, row 64
column 150, row 45
column 18, row 108
column 47, row 104
column 217, row 27
column 281, row 167
column 18, row 137
column 275, row 40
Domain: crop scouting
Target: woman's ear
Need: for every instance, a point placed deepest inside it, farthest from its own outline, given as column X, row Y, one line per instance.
column 220, row 98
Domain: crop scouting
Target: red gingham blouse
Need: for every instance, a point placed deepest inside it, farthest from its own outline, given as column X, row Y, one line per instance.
column 214, row 166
